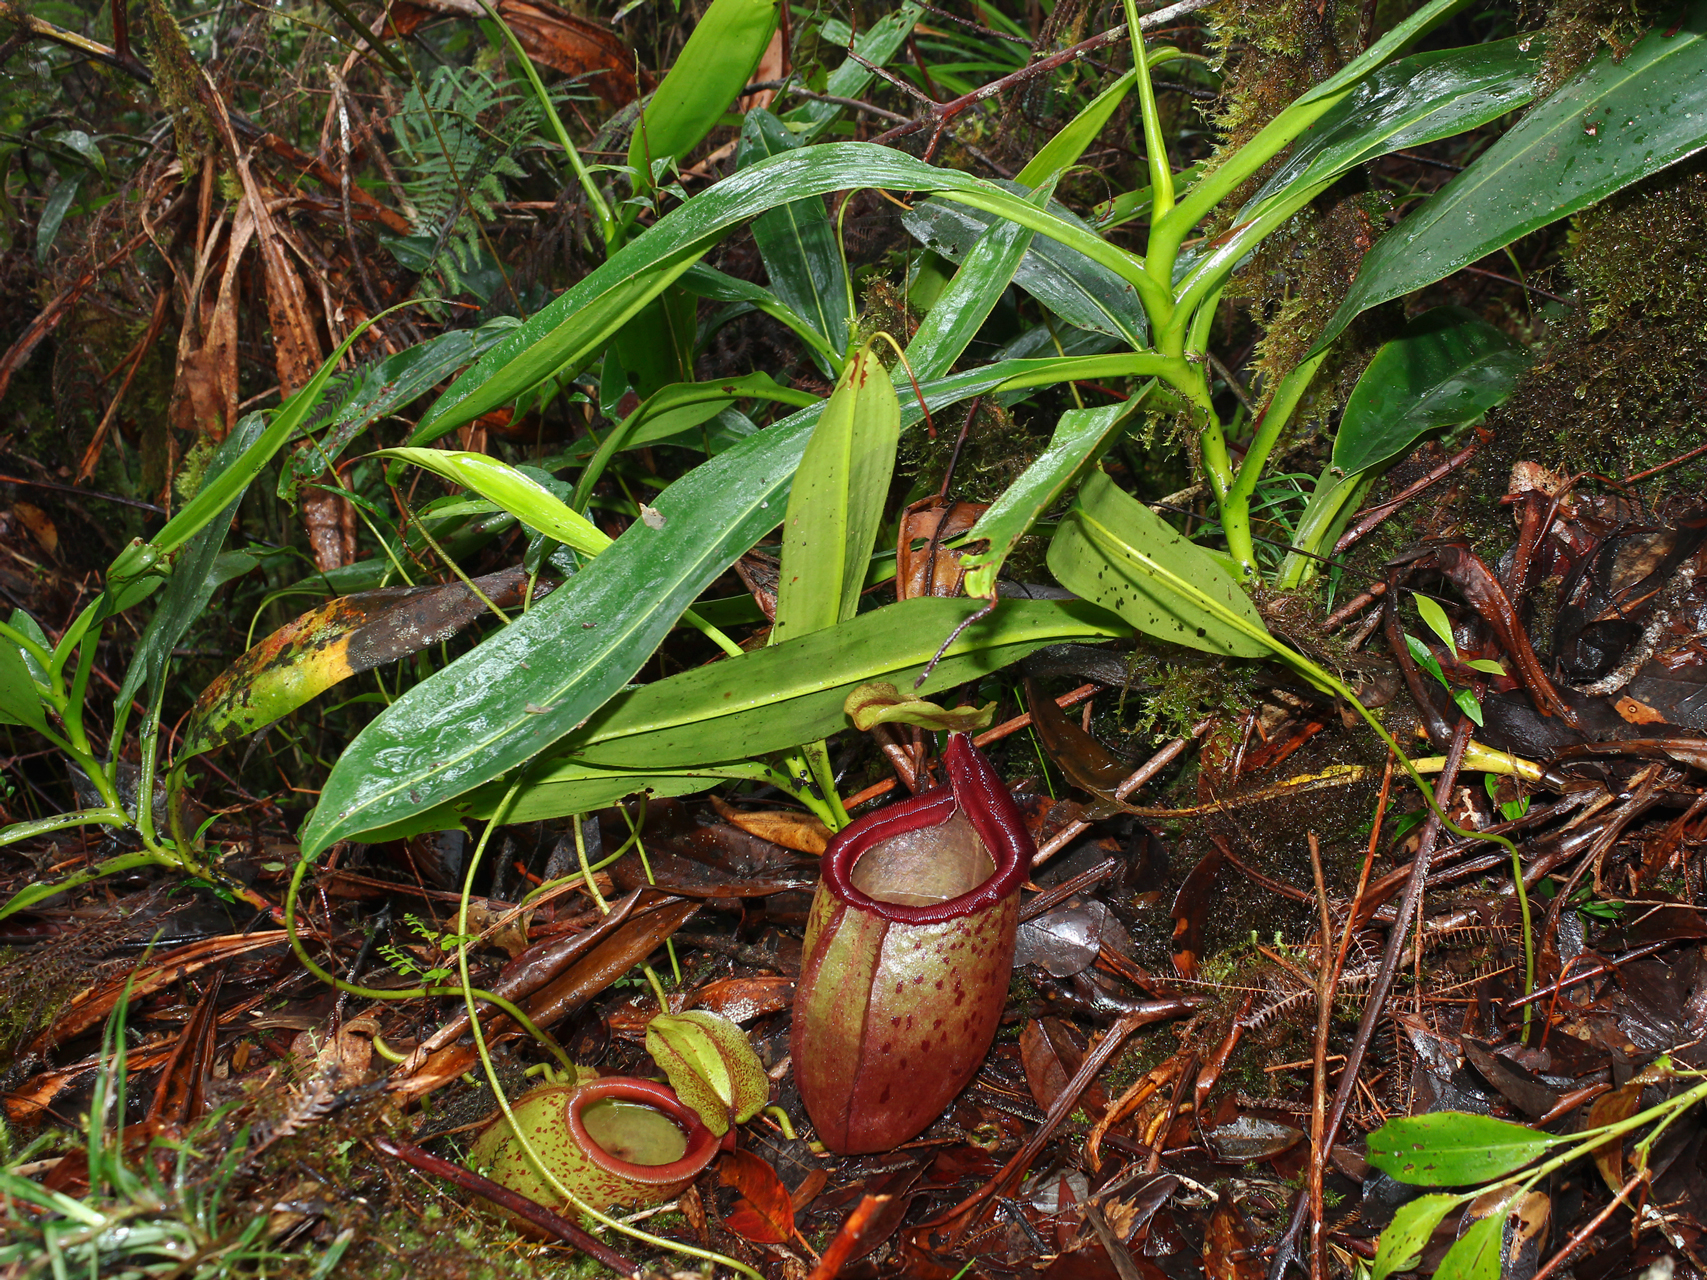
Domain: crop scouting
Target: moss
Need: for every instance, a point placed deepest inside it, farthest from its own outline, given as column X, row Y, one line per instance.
column 1172, row 691
column 1576, row 30
column 1617, row 387
column 178, row 82
column 1274, row 52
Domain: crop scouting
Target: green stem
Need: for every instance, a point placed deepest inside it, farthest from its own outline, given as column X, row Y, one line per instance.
column 817, row 756
column 713, row 634
column 608, row 227
column 1594, row 1138
column 149, row 751
column 41, row 655
column 800, row 786
column 1155, row 146
column 111, row 815
column 1167, row 234
column 402, row 993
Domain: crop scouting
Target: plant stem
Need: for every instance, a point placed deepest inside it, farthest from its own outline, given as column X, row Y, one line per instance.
column 824, row 774
column 1155, row 145
column 608, row 228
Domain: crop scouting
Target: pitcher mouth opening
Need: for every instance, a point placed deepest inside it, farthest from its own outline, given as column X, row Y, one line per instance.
column 974, row 819
column 697, row 1143
column 926, row 866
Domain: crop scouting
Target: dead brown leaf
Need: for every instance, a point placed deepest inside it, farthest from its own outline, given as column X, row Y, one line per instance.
column 798, row 831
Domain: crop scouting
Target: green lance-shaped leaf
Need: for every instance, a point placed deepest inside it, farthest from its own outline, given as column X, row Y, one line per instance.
column 567, row 334
column 524, row 498
column 1409, row 103
column 525, row 687
column 565, row 788
column 1612, row 124
column 837, row 501
column 1081, row 437
column 1454, row 1148
column 882, row 703
column 383, row 389
column 1104, row 550
column 798, row 241
column 779, row 697
column 961, row 309
column 218, row 492
column 1408, row 1233
column 712, row 68
column 1062, row 277
column 708, row 282
column 684, row 733
column 676, row 408
column 1428, row 608
column 875, row 44
column 1449, row 367
column 1476, row 1254
column 710, row 1065
column 53, row 213
column 19, row 701
column 1404, row 104
column 195, row 576
column 1069, row 144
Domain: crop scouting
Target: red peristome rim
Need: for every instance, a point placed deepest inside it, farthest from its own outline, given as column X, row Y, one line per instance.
column 973, row 788
column 702, row 1142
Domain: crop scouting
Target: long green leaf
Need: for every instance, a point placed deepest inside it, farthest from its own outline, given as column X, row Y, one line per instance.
column 712, row 68
column 1063, row 278
column 657, row 737
column 787, row 694
column 1409, row 103
column 53, row 213
column 1405, row 1237
column 387, row 387
column 576, row 326
column 194, row 578
column 19, row 701
column 1612, row 124
column 836, row 503
column 219, row 492
column 1406, row 104
column 503, row 702
column 1069, row 144
column 1454, row 1148
column 1081, row 437
column 679, row 407
column 524, row 498
column 708, row 282
column 797, row 241
column 1282, row 131
column 1477, row 1253
column 1104, row 550
column 555, row 790
column 1448, row 367
column 961, row 309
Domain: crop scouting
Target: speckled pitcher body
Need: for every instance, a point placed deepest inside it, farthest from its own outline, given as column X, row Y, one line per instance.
column 909, row 948
column 624, row 1164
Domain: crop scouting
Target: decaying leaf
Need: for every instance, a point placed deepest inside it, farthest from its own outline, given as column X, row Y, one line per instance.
column 552, row 37
column 798, row 831
column 923, row 565
column 764, row 1213
column 340, row 639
